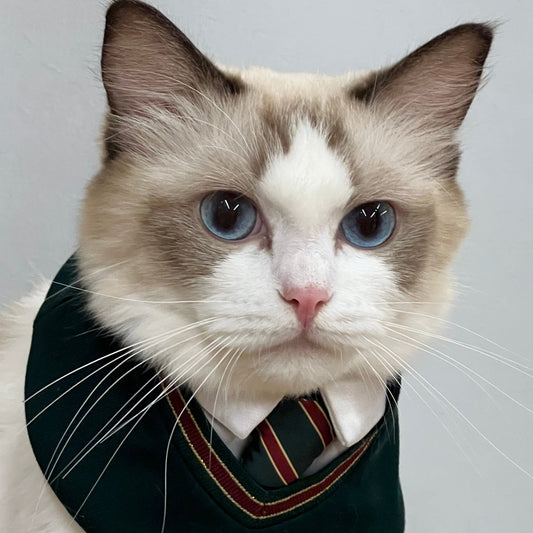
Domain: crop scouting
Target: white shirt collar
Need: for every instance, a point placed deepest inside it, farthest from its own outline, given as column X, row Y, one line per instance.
column 354, row 406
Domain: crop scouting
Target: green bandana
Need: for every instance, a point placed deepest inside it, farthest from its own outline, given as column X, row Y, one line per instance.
column 119, row 458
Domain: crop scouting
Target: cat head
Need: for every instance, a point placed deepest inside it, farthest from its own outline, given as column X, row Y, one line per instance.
column 273, row 232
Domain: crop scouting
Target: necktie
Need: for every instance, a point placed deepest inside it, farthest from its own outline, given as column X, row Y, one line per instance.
column 287, row 441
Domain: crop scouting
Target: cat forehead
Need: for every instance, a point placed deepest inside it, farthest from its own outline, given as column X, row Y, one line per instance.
column 309, row 184
column 297, row 84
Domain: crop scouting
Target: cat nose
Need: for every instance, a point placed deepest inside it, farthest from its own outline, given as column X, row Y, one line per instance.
column 306, row 302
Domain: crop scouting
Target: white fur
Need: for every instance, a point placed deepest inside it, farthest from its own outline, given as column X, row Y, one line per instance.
column 303, row 195
column 310, row 185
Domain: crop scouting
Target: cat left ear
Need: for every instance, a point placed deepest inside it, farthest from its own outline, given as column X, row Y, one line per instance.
column 147, row 62
column 435, row 84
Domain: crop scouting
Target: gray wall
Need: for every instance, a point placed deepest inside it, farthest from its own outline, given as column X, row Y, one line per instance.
column 457, row 459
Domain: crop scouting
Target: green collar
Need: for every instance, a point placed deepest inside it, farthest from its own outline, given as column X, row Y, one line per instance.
column 82, row 385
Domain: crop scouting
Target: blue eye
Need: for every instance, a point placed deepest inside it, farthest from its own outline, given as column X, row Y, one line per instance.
column 369, row 225
column 228, row 215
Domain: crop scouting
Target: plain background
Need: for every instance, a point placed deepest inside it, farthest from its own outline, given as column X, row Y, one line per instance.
column 464, row 446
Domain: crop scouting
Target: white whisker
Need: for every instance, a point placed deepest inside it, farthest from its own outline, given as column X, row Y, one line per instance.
column 126, row 437
column 55, row 459
column 471, row 332
column 184, row 373
column 98, row 360
column 137, row 300
column 464, row 369
column 174, row 430
column 77, row 459
column 86, row 276
column 491, row 355
column 440, row 419
column 235, row 356
column 466, row 419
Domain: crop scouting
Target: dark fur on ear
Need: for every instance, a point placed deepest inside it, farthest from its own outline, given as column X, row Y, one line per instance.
column 148, row 63
column 437, row 82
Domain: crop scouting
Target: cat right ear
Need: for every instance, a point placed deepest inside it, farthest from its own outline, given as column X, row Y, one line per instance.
column 434, row 85
column 148, row 63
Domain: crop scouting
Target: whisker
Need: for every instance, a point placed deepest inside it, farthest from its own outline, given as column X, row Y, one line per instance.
column 53, row 459
column 128, row 353
column 465, row 419
column 381, row 380
column 137, row 300
column 86, row 276
column 467, row 330
column 120, row 425
column 125, row 348
column 236, row 354
column 126, row 437
column 56, row 455
column 101, row 474
column 230, row 375
column 196, row 360
column 448, row 430
column 77, row 459
column 464, row 369
column 491, row 355
column 172, row 435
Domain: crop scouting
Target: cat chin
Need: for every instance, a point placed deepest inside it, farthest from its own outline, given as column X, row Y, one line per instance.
column 301, row 346
column 283, row 371
column 284, row 378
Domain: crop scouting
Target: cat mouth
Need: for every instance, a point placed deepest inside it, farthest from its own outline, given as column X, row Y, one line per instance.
column 300, row 343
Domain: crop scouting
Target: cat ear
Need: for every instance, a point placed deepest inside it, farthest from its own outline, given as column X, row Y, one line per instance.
column 436, row 83
column 147, row 62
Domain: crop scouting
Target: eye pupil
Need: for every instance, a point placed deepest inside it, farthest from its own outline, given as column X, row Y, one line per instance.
column 228, row 215
column 369, row 225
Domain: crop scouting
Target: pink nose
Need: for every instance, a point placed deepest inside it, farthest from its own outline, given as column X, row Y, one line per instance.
column 306, row 302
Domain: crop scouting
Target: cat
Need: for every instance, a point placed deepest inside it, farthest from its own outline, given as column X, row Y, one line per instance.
column 254, row 235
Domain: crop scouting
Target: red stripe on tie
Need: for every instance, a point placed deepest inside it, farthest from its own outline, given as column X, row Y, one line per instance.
column 319, row 419
column 276, row 453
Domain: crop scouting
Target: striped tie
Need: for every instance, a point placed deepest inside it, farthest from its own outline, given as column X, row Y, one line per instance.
column 287, row 441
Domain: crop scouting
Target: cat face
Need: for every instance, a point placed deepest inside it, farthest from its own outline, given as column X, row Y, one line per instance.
column 271, row 232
